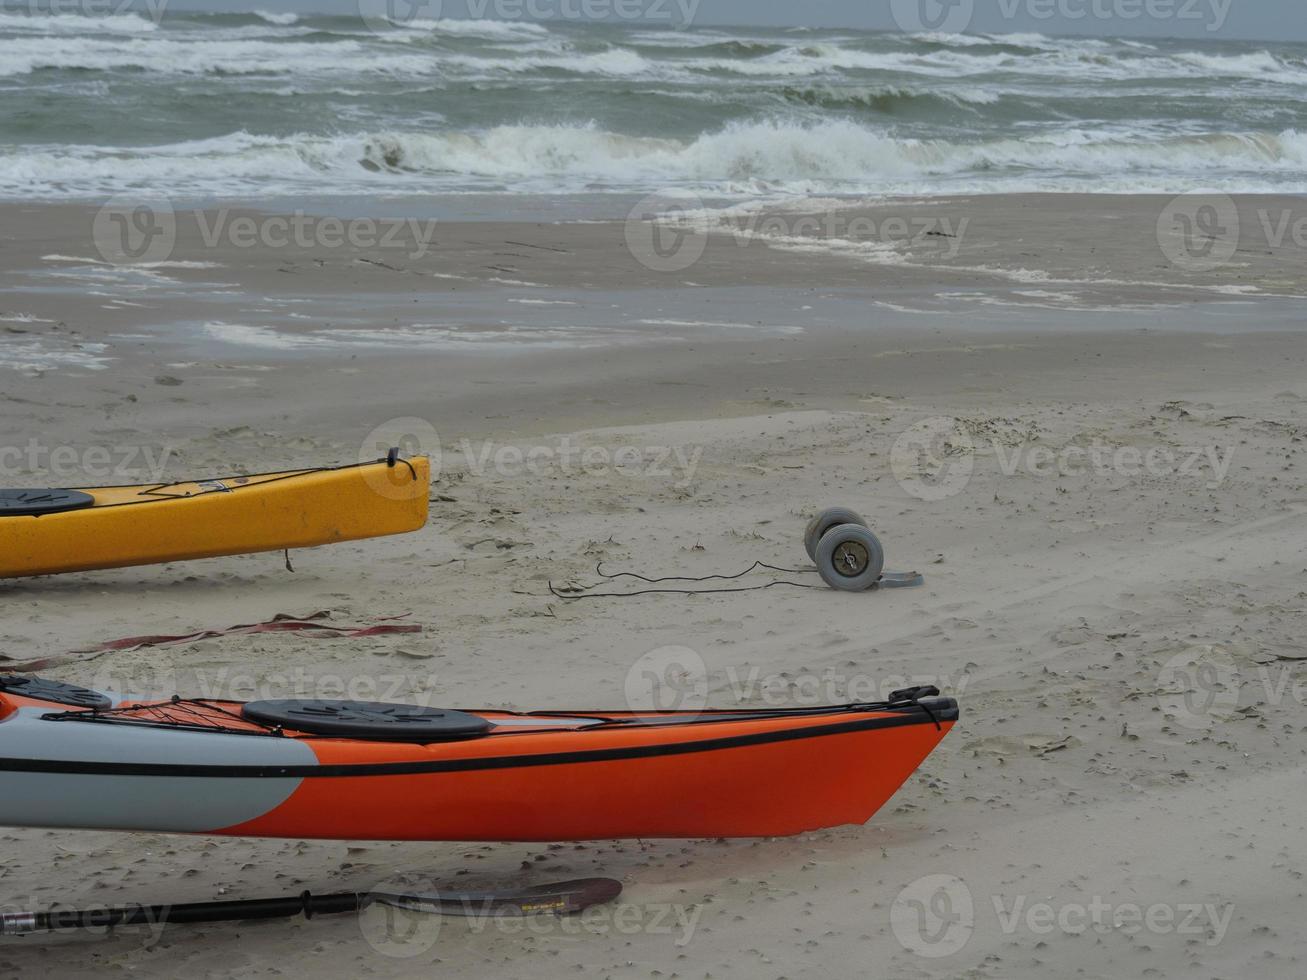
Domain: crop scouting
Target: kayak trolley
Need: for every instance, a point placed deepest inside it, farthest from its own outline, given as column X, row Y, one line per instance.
column 845, row 553
column 848, row 556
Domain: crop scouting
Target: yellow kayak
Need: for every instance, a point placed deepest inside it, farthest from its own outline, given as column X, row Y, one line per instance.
column 43, row 532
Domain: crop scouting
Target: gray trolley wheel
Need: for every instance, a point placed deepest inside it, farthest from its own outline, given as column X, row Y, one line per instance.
column 850, row 558
column 823, row 522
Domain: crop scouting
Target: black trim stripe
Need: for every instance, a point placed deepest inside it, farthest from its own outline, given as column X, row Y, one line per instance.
column 152, row 493
column 284, row 474
column 942, row 710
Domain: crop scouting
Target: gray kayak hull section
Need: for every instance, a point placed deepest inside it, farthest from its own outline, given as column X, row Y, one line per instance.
column 180, row 804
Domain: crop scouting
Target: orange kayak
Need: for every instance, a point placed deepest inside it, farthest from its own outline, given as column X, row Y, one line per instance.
column 43, row 532
column 72, row 757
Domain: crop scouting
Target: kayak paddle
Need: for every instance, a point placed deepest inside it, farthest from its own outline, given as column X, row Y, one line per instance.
column 563, row 898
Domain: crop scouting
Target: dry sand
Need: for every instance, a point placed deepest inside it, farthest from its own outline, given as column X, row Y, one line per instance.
column 1074, row 583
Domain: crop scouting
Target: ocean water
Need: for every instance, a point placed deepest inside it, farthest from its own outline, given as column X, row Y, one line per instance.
column 249, row 106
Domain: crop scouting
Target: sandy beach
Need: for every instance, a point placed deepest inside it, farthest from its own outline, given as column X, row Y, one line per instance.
column 1112, row 544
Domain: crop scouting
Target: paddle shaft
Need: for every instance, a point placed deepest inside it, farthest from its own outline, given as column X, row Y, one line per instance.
column 306, row 904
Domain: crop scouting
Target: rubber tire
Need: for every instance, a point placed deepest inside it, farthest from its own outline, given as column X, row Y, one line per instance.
column 823, row 522
column 825, row 558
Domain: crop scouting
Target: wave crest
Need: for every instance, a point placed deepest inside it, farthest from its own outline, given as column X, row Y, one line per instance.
column 888, row 100
column 277, row 19
column 72, row 23
column 838, row 156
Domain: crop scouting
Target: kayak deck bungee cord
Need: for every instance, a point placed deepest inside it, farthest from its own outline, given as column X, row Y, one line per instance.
column 44, row 532
column 76, row 758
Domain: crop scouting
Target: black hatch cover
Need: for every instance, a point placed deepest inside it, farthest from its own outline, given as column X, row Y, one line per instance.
column 31, row 503
column 55, row 692
column 370, row 720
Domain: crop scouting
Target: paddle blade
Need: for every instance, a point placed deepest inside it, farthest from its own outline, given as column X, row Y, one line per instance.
column 563, row 898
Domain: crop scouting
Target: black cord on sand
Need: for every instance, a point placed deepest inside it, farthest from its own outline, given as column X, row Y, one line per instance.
column 599, row 570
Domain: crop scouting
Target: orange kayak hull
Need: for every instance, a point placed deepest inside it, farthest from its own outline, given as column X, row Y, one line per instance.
column 224, row 767
column 771, row 789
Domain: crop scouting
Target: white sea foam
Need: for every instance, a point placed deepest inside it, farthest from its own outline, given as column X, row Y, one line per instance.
column 280, row 19
column 131, row 41
column 23, row 55
column 614, row 61
column 698, row 39
column 418, row 335
column 787, row 330
column 1084, row 59
column 71, row 23
column 76, row 259
column 770, row 157
column 23, row 318
column 835, row 151
column 244, row 335
column 34, row 356
column 161, row 264
column 495, row 106
column 510, row 29
column 177, row 264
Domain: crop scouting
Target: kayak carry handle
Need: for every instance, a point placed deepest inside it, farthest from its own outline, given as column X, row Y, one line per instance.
column 393, row 458
column 914, row 693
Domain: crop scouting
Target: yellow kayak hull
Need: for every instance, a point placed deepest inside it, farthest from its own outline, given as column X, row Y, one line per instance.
column 145, row 525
